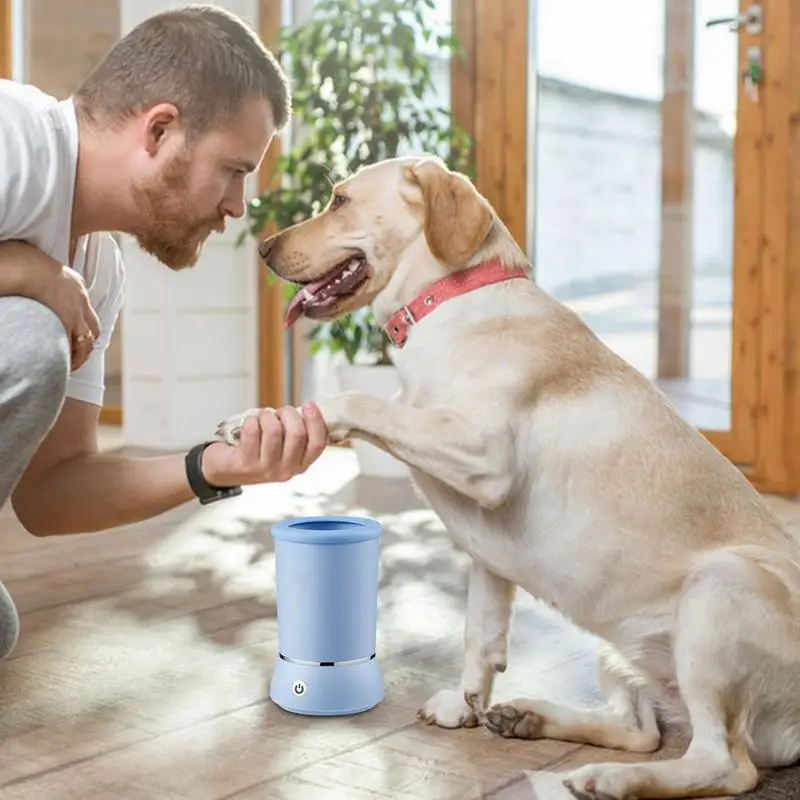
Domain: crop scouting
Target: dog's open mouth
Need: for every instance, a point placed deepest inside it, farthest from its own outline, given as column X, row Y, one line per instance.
column 341, row 281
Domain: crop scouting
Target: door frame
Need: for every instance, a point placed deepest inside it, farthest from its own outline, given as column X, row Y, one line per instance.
column 776, row 467
column 765, row 436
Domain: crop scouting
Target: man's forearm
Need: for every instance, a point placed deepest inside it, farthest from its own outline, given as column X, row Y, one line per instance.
column 98, row 491
column 24, row 270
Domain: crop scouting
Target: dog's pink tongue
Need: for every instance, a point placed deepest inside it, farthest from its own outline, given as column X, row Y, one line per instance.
column 295, row 309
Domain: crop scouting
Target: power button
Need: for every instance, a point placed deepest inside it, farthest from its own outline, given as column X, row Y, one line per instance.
column 298, row 688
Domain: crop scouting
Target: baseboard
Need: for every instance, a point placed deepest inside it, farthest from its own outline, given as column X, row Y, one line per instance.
column 111, row 415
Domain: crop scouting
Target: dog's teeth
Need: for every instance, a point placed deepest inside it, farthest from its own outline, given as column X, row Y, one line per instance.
column 307, row 295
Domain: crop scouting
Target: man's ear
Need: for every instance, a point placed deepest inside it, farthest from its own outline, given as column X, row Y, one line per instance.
column 158, row 123
column 457, row 218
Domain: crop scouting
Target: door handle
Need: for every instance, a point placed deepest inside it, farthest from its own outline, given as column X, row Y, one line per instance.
column 752, row 19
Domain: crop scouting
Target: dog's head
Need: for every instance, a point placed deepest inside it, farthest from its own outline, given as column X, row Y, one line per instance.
column 400, row 223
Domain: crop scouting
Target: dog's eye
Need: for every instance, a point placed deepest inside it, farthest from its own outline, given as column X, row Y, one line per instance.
column 338, row 200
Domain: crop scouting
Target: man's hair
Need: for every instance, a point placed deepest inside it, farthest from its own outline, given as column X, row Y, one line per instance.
column 201, row 58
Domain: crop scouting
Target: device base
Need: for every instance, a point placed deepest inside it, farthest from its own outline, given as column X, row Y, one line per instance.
column 326, row 691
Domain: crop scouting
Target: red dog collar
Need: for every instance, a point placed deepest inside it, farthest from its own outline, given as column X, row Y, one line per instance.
column 461, row 282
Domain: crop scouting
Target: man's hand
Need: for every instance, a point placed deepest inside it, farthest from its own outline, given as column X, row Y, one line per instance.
column 272, row 446
column 64, row 293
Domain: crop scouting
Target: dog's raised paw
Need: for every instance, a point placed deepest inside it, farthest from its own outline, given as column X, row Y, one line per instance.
column 513, row 722
column 230, row 429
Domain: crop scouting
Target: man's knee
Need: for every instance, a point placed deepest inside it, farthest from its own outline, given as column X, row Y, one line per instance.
column 9, row 623
column 34, row 362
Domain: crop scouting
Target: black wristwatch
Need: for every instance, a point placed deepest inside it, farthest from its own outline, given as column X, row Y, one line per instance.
column 205, row 492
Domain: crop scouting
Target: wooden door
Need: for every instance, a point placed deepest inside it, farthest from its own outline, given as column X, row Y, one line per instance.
column 763, row 435
column 776, row 313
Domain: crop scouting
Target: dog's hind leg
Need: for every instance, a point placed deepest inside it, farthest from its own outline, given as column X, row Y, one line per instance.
column 733, row 637
column 626, row 721
column 489, row 600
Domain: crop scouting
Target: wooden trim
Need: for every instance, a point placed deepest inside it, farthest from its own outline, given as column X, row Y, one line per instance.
column 748, row 216
column 6, row 39
column 770, row 467
column 722, row 440
column 462, row 66
column 499, row 104
column 111, row 415
column 777, row 465
column 766, row 389
column 677, row 178
column 271, row 333
column 489, row 106
column 791, row 296
column 515, row 150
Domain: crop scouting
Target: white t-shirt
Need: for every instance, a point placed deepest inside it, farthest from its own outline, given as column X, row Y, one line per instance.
column 38, row 157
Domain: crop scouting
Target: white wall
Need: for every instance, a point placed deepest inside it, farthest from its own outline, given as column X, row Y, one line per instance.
column 190, row 343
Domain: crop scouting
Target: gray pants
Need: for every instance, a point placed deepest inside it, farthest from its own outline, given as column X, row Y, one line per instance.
column 34, row 367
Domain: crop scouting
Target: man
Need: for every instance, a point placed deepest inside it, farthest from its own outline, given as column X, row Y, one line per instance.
column 155, row 143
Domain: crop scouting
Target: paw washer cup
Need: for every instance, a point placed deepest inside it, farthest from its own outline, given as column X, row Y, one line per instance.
column 326, row 571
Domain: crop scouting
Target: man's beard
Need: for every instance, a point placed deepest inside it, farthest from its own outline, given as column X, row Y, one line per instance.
column 167, row 230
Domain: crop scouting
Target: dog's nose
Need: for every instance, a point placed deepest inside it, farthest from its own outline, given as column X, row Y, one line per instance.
column 265, row 249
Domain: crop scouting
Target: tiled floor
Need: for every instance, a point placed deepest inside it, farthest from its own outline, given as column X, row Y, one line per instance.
column 143, row 668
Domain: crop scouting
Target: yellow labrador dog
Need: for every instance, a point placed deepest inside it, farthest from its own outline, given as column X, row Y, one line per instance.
column 562, row 470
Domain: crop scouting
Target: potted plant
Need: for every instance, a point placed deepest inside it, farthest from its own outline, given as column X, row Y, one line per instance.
column 363, row 90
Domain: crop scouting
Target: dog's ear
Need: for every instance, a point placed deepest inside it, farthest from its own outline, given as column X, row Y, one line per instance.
column 457, row 218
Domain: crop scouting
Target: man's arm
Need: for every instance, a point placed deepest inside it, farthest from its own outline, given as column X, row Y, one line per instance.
column 27, row 272
column 70, row 487
column 24, row 271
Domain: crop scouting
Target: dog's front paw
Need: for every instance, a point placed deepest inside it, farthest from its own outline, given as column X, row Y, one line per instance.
column 230, row 430
column 451, row 709
column 336, row 412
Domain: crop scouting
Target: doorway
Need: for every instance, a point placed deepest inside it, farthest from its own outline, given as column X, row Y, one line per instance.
column 651, row 148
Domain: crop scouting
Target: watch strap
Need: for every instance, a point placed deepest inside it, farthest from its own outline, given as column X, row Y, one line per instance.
column 203, row 490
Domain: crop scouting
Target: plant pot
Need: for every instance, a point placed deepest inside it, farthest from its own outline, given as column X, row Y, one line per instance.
column 382, row 381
